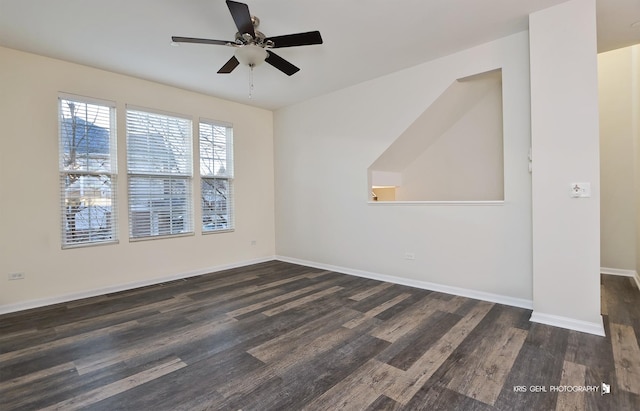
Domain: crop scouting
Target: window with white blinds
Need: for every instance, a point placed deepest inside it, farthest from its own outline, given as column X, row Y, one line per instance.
column 87, row 164
column 159, row 166
column 216, row 176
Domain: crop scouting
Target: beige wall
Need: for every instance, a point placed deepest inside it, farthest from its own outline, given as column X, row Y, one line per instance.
column 619, row 112
column 29, row 185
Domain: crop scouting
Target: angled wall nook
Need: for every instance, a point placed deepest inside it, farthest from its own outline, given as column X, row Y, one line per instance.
column 452, row 152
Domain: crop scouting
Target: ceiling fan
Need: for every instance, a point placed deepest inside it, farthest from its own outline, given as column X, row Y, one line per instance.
column 252, row 46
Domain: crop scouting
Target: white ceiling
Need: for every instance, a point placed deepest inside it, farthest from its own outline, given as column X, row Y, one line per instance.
column 363, row 39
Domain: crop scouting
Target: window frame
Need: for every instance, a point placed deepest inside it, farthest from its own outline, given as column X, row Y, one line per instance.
column 211, row 177
column 158, row 227
column 111, row 217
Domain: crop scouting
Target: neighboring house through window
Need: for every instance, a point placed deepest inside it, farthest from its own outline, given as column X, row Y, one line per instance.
column 87, row 163
column 159, row 166
column 216, row 172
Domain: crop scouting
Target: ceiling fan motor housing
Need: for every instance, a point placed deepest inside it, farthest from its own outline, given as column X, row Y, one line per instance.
column 258, row 39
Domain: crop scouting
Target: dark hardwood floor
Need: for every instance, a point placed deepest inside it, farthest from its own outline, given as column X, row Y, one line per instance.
column 278, row 336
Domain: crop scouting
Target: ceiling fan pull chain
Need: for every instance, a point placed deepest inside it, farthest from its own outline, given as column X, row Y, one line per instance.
column 250, row 82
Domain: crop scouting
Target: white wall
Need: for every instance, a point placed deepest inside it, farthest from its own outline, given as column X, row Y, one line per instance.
column 29, row 185
column 564, row 126
column 619, row 112
column 324, row 146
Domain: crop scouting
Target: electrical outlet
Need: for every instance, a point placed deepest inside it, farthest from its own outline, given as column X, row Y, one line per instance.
column 409, row 256
column 16, row 276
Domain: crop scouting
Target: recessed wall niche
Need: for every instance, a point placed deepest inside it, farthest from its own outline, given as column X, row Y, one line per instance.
column 452, row 152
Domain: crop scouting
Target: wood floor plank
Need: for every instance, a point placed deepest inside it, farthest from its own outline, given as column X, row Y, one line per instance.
column 116, row 355
column 600, row 402
column 257, row 330
column 21, row 334
column 219, row 283
column 112, row 389
column 627, row 357
column 60, row 387
column 244, row 287
column 189, row 388
column 572, row 375
column 621, row 298
column 222, row 304
column 592, row 351
column 486, row 376
column 301, row 301
column 371, row 291
column 67, row 340
column 394, row 328
column 297, row 354
column 384, row 403
column 403, row 389
column 272, row 301
column 376, row 310
column 118, row 317
column 360, row 389
column 404, row 352
column 35, row 376
column 539, row 363
column 304, row 335
column 437, row 398
column 22, row 339
column 397, row 309
column 329, row 369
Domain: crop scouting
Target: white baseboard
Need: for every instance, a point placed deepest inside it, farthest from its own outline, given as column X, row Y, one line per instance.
column 569, row 323
column 623, row 273
column 596, row 328
column 463, row 292
column 26, row 305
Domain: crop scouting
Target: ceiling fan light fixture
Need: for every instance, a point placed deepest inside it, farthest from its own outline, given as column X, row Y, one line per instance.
column 251, row 55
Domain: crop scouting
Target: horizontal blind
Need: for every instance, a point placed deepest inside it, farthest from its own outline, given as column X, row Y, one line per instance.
column 159, row 163
column 216, row 176
column 158, row 144
column 88, row 170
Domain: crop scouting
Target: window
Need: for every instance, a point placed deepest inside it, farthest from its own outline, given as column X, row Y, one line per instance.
column 216, row 172
column 88, row 169
column 159, row 162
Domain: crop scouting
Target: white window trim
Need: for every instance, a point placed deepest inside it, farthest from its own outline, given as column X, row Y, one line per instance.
column 229, row 177
column 113, row 173
column 187, row 176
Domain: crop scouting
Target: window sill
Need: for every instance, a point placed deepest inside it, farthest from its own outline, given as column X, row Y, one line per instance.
column 226, row 230
column 438, row 203
column 91, row 244
column 161, row 237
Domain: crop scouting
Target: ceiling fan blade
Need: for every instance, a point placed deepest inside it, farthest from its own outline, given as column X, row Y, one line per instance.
column 281, row 64
column 229, row 66
column 241, row 16
column 298, row 39
column 177, row 39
